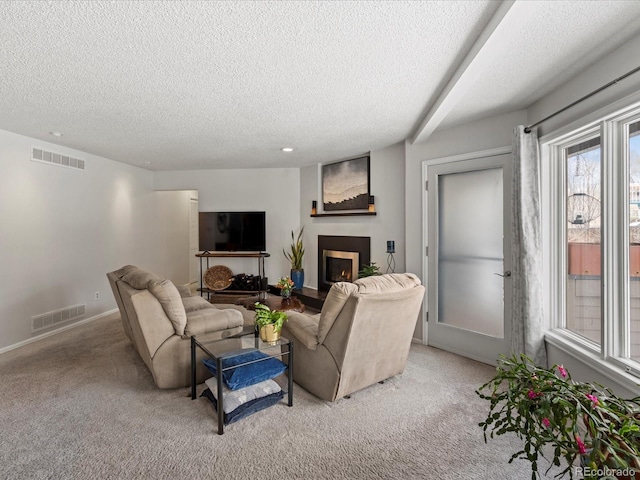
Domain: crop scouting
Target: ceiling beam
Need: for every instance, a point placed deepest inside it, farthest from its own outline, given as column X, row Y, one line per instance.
column 499, row 29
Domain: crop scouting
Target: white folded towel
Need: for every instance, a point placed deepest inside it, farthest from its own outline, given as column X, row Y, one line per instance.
column 234, row 398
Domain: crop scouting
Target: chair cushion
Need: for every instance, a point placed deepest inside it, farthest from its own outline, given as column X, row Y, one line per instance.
column 304, row 328
column 211, row 320
column 185, row 291
column 246, row 375
column 169, row 297
column 390, row 283
column 191, row 304
column 333, row 305
column 341, row 291
column 136, row 277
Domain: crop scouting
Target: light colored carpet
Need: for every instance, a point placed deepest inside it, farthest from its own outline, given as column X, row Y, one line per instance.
column 82, row 405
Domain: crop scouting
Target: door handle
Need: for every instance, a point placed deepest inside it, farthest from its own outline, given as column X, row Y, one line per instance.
column 506, row 274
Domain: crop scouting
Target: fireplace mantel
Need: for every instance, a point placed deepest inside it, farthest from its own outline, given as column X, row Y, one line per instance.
column 342, row 214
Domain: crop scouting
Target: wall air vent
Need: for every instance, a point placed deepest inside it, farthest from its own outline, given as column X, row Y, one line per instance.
column 44, row 156
column 51, row 319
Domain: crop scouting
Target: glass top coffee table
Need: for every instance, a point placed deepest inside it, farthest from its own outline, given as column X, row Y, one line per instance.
column 234, row 346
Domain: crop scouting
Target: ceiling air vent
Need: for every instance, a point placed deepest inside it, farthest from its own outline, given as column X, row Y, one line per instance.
column 52, row 158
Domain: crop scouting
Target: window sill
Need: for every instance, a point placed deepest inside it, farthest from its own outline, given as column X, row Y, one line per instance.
column 592, row 360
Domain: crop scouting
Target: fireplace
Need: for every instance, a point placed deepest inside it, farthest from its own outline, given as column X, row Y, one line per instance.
column 340, row 266
column 340, row 258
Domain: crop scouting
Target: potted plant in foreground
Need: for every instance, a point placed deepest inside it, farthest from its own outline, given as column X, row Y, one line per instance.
column 295, row 258
column 269, row 322
column 596, row 433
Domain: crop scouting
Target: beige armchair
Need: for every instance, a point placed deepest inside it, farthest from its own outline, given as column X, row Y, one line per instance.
column 362, row 335
column 159, row 319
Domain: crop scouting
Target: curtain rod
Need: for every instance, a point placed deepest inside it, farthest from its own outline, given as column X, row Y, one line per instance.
column 588, row 95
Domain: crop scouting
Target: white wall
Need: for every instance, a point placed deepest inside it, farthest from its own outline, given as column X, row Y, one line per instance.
column 496, row 132
column 475, row 136
column 63, row 229
column 275, row 191
column 613, row 65
column 172, row 220
column 387, row 186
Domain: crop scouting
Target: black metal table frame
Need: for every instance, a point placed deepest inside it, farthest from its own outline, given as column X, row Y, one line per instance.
column 261, row 269
column 195, row 344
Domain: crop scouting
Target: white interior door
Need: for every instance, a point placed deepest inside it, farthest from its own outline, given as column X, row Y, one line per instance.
column 469, row 256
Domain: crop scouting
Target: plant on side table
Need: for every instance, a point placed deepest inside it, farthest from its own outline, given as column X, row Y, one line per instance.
column 295, row 258
column 269, row 322
column 594, row 431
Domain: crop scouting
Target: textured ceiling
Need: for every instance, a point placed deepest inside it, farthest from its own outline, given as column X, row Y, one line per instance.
column 548, row 43
column 195, row 85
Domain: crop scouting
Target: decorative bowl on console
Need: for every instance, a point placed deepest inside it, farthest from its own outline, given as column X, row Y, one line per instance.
column 218, row 277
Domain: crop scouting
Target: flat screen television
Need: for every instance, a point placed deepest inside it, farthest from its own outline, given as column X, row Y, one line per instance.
column 232, row 231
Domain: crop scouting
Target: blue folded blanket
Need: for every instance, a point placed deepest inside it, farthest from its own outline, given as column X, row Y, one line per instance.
column 246, row 375
column 245, row 409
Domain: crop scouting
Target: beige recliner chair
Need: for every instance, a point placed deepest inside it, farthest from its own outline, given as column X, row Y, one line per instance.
column 362, row 335
column 159, row 319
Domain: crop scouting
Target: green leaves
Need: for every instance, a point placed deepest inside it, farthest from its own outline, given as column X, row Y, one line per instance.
column 266, row 316
column 297, row 251
column 369, row 270
column 546, row 407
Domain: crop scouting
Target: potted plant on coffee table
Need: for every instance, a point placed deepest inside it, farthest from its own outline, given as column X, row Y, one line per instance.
column 596, row 433
column 269, row 322
column 295, row 257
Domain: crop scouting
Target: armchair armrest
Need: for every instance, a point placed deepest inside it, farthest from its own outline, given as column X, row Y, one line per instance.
column 304, row 328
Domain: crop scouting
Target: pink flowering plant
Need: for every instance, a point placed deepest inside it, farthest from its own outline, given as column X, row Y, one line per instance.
column 582, row 423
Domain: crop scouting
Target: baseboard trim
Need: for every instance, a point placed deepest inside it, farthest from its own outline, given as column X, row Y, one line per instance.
column 55, row 332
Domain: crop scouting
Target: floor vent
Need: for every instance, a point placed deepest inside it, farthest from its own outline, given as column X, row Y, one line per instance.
column 50, row 319
column 52, row 158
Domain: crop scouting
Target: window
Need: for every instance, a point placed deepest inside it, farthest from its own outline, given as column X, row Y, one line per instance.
column 583, row 232
column 594, row 195
column 632, row 327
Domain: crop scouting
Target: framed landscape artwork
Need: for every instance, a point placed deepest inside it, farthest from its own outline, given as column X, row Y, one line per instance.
column 345, row 185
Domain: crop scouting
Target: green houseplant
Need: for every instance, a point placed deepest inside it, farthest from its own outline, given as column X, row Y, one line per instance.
column 269, row 322
column 295, row 257
column 596, row 433
column 369, row 270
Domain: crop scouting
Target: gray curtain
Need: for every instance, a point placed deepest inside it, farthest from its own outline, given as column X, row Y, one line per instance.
column 528, row 325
